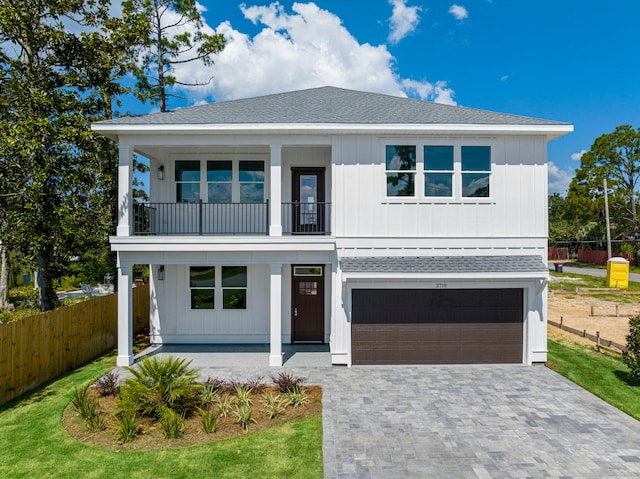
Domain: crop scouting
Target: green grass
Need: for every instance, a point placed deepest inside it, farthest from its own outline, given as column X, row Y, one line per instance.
column 568, row 282
column 34, row 444
column 604, row 375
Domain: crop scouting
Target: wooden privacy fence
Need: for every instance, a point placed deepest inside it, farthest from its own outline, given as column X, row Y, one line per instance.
column 40, row 348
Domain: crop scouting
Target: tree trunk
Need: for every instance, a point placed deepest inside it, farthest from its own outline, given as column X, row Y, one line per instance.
column 4, row 277
column 47, row 294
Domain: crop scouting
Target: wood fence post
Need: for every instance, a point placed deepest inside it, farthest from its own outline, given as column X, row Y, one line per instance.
column 592, row 310
column 561, row 319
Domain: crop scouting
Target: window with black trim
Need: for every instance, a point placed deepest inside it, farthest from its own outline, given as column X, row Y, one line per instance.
column 438, row 170
column 234, row 287
column 476, row 171
column 202, row 283
column 401, row 170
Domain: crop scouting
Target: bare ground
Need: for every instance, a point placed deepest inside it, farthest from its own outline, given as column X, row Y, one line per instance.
column 575, row 311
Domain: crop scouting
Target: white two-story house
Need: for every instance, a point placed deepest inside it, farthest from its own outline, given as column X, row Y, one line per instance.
column 395, row 230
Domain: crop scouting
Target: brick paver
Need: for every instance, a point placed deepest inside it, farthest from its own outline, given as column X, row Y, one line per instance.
column 467, row 421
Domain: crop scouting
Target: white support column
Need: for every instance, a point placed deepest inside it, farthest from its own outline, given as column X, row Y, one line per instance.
column 125, row 315
column 275, row 293
column 125, row 189
column 275, row 189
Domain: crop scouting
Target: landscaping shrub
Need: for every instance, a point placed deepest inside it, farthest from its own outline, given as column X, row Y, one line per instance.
column 243, row 396
column 632, row 357
column 88, row 408
column 127, row 429
column 109, row 384
column 287, row 381
column 224, row 404
column 275, row 405
column 215, row 384
column 161, row 383
column 297, row 397
column 209, row 420
column 172, row 423
column 244, row 416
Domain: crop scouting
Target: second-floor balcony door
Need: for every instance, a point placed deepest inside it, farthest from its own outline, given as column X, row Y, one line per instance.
column 308, row 201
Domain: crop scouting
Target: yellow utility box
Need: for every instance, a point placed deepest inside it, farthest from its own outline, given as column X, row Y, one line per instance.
column 617, row 273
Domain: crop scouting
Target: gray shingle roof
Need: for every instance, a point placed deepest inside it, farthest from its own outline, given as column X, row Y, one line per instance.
column 327, row 105
column 444, row 264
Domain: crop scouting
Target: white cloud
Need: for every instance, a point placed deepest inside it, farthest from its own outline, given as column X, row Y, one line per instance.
column 559, row 180
column 307, row 48
column 578, row 156
column 436, row 92
column 403, row 21
column 459, row 12
column 504, row 77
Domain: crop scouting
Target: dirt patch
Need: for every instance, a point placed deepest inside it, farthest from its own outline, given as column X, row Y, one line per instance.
column 575, row 311
column 152, row 436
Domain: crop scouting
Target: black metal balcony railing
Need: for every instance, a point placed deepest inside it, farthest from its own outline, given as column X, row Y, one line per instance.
column 306, row 218
column 201, row 218
column 228, row 218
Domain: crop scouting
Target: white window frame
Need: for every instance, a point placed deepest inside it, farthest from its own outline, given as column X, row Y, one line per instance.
column 420, row 171
column 235, row 159
column 218, row 289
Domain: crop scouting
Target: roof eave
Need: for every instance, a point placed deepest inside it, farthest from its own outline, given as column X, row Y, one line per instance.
column 113, row 131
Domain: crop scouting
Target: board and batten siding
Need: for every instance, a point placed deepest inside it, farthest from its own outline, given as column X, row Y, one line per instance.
column 516, row 208
column 175, row 321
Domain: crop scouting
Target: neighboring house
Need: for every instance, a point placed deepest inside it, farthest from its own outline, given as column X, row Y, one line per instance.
column 395, row 230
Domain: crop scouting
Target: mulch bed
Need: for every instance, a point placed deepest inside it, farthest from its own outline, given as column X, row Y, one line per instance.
column 152, row 436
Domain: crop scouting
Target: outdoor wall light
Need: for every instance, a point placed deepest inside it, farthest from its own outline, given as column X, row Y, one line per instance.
column 161, row 172
column 161, row 273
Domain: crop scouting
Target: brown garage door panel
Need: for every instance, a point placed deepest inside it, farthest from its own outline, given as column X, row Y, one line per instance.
column 432, row 326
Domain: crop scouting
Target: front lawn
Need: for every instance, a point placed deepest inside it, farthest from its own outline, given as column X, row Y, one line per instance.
column 604, row 375
column 34, row 444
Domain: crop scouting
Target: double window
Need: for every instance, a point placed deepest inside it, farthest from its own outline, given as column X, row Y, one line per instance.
column 230, row 292
column 438, row 171
column 220, row 181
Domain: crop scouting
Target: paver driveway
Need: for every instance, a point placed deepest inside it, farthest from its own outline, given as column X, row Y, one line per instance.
column 469, row 421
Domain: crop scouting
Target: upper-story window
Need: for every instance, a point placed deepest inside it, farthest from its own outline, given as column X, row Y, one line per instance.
column 438, row 170
column 220, row 181
column 476, row 171
column 401, row 170
column 187, row 181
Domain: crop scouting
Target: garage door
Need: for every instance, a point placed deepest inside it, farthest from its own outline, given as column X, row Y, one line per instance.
column 422, row 326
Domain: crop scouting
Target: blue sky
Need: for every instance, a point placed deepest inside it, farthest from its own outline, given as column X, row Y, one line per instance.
column 566, row 60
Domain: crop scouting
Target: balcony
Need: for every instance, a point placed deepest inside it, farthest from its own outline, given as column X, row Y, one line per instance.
column 228, row 219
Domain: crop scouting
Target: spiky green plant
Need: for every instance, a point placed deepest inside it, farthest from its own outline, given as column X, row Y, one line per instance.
column 244, row 416
column 224, row 404
column 172, row 423
column 88, row 408
column 159, row 383
column 127, row 429
column 209, row 420
column 243, row 396
column 297, row 397
column 207, row 396
column 274, row 404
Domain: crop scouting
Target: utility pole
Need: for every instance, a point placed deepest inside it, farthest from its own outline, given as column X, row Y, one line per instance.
column 606, row 215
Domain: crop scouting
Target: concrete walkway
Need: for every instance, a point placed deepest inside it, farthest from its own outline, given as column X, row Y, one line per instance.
column 470, row 421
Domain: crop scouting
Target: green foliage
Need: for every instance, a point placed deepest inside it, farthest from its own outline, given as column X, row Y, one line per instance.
column 297, row 397
column 209, row 420
column 243, row 396
column 601, row 374
column 286, row 381
column 88, row 408
column 172, row 423
column 632, row 357
column 275, row 405
column 215, row 384
column 60, row 62
column 244, row 415
column 615, row 157
column 109, row 384
column 208, row 395
column 160, row 383
column 225, row 402
column 127, row 429
column 168, row 42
